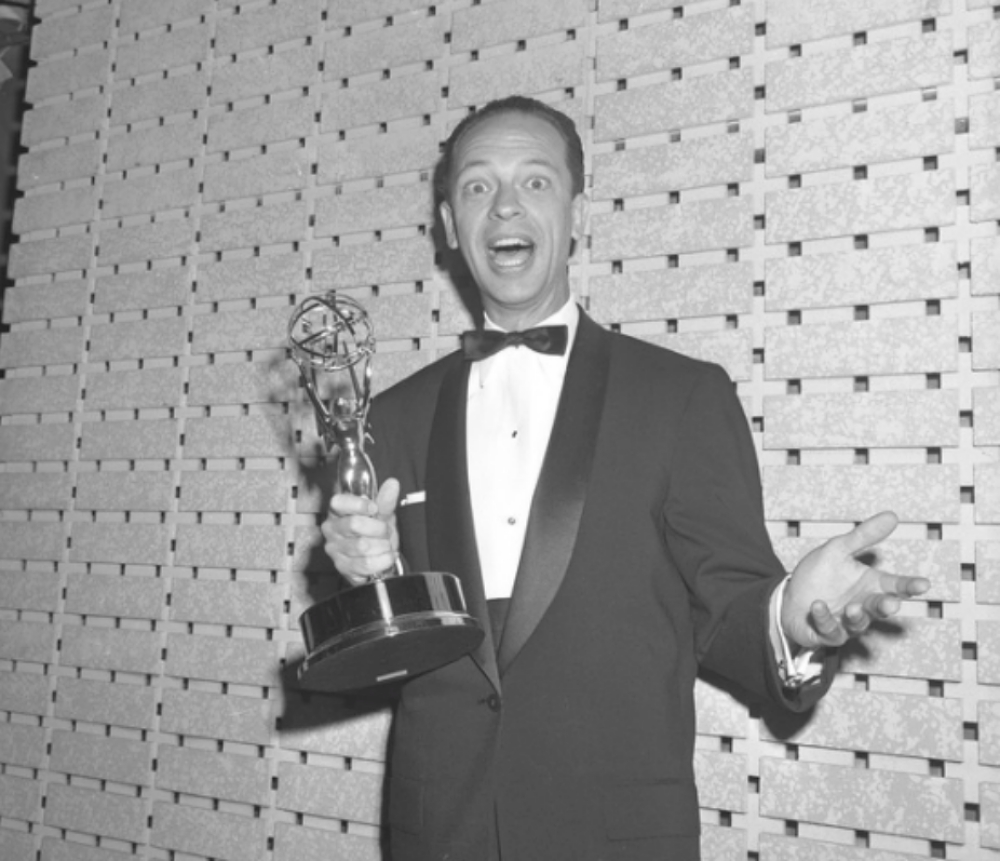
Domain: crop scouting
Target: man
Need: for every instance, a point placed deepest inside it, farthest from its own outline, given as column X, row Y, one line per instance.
column 602, row 508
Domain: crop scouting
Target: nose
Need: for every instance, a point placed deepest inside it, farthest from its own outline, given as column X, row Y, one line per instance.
column 506, row 204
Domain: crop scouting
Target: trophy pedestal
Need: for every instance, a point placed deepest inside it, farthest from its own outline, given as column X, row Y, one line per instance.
column 384, row 631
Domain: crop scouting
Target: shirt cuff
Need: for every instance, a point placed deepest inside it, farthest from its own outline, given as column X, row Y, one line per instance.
column 796, row 667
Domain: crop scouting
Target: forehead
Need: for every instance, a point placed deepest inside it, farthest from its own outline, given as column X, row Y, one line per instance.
column 511, row 137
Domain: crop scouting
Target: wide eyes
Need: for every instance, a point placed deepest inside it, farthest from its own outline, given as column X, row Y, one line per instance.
column 479, row 187
column 475, row 188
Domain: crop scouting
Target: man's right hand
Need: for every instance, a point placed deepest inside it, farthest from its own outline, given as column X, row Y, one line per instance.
column 361, row 536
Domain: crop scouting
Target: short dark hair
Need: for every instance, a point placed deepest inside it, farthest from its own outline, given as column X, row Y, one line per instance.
column 514, row 104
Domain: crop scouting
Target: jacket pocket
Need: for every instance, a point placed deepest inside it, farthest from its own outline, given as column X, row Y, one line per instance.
column 411, row 520
column 655, row 809
column 406, row 804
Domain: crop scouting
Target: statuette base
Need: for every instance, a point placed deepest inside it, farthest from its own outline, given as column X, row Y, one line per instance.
column 388, row 630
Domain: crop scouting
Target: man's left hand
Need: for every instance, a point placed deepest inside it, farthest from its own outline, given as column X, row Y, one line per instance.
column 831, row 596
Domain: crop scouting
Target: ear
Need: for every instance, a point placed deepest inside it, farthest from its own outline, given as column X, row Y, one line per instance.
column 448, row 220
column 579, row 215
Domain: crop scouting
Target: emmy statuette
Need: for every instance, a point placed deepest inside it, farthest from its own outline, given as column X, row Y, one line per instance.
column 399, row 623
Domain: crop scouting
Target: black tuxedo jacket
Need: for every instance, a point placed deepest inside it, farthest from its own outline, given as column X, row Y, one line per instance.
column 645, row 558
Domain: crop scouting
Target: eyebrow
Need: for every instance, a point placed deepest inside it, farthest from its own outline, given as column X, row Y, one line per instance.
column 482, row 162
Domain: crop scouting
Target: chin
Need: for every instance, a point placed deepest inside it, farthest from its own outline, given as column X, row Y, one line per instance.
column 515, row 299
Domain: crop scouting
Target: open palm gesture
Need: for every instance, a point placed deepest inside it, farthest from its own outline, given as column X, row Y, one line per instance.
column 832, row 596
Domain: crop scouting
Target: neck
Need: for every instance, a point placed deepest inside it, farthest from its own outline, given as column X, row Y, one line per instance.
column 517, row 320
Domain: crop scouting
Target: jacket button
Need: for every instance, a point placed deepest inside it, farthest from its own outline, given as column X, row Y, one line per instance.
column 493, row 703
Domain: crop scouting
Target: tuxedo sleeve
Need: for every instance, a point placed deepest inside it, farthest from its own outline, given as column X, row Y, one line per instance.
column 713, row 525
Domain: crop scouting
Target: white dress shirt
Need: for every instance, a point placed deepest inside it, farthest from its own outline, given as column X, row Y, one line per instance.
column 512, row 403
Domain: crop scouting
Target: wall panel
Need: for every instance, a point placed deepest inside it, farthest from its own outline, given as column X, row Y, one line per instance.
column 806, row 194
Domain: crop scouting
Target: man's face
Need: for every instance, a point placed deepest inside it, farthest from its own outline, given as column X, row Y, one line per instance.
column 512, row 213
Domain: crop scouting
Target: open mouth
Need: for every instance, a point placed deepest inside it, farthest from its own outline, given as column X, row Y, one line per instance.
column 511, row 252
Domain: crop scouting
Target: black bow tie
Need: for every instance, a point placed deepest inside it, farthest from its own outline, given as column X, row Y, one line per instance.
column 483, row 343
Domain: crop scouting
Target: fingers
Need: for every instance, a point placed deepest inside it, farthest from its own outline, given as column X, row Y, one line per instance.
column 880, row 606
column 360, row 533
column 826, row 627
column 850, row 596
column 905, row 587
column 345, row 504
column 856, row 618
column 869, row 532
column 388, row 498
column 360, row 547
column 360, row 561
column 382, row 507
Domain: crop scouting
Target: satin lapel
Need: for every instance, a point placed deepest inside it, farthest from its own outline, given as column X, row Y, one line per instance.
column 559, row 498
column 451, row 536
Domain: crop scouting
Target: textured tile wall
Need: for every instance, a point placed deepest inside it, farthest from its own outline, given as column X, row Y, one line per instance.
column 805, row 193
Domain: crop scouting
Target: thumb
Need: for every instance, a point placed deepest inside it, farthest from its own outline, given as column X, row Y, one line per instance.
column 388, row 497
column 870, row 532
